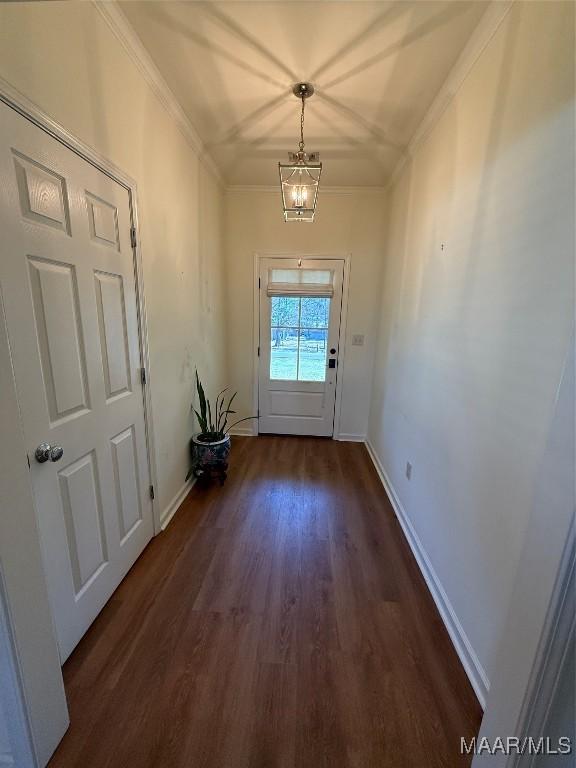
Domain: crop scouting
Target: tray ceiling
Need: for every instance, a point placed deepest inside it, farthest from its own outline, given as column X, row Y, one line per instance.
column 376, row 67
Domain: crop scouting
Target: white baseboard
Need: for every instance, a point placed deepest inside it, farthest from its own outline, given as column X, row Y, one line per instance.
column 470, row 662
column 350, row 437
column 343, row 436
column 242, row 432
column 173, row 506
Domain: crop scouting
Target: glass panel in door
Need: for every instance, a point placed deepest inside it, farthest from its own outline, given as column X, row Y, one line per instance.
column 298, row 338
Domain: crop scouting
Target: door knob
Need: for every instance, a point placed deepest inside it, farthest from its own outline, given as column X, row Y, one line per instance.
column 47, row 452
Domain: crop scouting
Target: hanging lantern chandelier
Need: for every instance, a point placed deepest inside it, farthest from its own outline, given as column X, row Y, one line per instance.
column 300, row 177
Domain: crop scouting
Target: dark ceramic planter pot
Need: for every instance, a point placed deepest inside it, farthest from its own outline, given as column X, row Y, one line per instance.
column 210, row 458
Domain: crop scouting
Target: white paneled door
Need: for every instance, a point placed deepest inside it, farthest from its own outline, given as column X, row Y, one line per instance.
column 68, row 281
column 300, row 309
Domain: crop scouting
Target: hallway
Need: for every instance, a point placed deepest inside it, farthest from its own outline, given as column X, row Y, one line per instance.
column 278, row 621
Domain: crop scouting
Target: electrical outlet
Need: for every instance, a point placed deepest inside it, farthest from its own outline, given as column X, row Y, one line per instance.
column 358, row 340
column 408, row 470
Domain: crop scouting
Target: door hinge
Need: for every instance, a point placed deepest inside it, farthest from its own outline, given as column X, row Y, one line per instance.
column 152, row 492
column 133, row 237
column 143, row 376
column 258, row 351
column 28, row 460
column 259, row 283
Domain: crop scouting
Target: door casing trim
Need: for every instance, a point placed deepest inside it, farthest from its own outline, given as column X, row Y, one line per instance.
column 29, row 110
column 258, row 256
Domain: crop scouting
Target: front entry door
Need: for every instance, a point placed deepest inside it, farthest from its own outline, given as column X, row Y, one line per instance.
column 300, row 307
column 67, row 278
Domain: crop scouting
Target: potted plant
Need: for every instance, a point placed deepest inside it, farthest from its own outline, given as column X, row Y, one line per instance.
column 210, row 447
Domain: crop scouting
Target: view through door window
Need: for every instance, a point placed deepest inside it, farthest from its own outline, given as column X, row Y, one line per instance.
column 299, row 336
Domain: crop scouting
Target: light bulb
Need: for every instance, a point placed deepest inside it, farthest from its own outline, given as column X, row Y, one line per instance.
column 299, row 196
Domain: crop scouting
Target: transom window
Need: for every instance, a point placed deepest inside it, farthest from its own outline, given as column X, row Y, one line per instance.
column 298, row 337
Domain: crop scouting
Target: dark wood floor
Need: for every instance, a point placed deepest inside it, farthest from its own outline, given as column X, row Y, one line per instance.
column 279, row 622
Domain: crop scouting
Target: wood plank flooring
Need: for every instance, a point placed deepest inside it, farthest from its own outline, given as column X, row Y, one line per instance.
column 278, row 622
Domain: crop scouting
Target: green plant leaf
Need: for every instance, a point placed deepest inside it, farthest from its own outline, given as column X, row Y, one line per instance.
column 201, row 398
column 219, row 406
column 201, row 422
column 210, row 425
column 215, row 424
column 228, row 411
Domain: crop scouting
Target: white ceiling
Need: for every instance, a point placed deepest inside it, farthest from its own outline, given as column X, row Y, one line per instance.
column 376, row 67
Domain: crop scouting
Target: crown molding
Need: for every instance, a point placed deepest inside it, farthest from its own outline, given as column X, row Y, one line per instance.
column 487, row 27
column 324, row 190
column 485, row 30
column 126, row 35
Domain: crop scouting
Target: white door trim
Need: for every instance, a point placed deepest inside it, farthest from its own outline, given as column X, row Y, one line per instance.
column 21, row 104
column 258, row 256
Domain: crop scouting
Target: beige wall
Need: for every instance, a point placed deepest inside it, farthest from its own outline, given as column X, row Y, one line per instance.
column 476, row 314
column 348, row 222
column 74, row 68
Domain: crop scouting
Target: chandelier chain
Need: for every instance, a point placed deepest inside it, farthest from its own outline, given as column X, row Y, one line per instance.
column 302, row 124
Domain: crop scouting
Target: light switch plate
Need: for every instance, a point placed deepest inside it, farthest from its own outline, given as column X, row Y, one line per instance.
column 358, row 340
